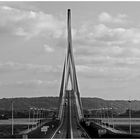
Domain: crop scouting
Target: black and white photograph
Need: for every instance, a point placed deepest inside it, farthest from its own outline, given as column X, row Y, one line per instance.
column 69, row 69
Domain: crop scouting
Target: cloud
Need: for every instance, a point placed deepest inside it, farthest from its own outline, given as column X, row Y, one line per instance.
column 112, row 56
column 107, row 18
column 29, row 24
column 113, row 43
column 102, row 44
column 15, row 66
column 103, row 35
column 29, row 83
column 19, row 31
column 48, row 48
column 116, row 35
column 107, row 72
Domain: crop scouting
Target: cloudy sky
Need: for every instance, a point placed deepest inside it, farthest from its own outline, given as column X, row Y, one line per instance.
column 106, row 43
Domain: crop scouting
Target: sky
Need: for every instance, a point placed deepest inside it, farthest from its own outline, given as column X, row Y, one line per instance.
column 106, row 44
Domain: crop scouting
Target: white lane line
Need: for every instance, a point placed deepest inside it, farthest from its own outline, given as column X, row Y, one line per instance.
column 78, row 123
column 70, row 121
column 56, row 131
column 58, row 127
column 84, row 130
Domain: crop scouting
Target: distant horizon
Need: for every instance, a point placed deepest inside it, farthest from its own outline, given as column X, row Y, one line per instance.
column 81, row 97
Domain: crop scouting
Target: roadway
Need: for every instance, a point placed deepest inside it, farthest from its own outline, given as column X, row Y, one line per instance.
column 70, row 128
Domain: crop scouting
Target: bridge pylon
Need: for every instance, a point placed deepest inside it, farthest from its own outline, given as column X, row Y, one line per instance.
column 69, row 76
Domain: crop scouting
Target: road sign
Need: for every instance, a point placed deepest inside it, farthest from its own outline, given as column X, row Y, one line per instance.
column 87, row 123
column 25, row 136
column 44, row 129
column 102, row 132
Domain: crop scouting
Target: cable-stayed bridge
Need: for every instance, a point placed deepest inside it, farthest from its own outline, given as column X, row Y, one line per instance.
column 70, row 111
column 70, row 106
column 70, row 115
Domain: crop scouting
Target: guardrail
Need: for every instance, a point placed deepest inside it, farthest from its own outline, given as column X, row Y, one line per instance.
column 78, row 122
column 61, row 122
column 69, row 133
column 69, row 126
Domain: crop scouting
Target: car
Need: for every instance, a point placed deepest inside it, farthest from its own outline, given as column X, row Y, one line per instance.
column 65, row 103
column 83, row 135
column 58, row 132
column 78, row 127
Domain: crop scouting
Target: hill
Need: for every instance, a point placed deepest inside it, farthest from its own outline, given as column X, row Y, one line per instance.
column 120, row 106
column 26, row 103
column 52, row 102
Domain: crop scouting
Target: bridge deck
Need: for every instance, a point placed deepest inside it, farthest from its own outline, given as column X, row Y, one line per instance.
column 69, row 121
column 33, row 128
column 111, row 129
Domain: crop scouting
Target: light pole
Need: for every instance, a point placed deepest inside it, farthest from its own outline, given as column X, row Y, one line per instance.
column 36, row 117
column 130, row 131
column 103, row 116
column 12, row 117
column 112, row 115
column 107, row 116
column 32, row 117
column 43, row 113
column 39, row 116
column 112, row 118
column 29, row 120
column 97, row 116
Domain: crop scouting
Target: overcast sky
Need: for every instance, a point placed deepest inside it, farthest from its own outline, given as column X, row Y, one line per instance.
column 106, row 43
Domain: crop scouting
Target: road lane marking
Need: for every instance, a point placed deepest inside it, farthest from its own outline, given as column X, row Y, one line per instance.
column 70, row 121
column 58, row 128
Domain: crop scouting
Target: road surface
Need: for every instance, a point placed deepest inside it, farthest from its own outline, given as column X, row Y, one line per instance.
column 70, row 127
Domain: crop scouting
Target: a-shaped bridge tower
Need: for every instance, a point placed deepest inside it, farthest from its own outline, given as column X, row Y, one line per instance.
column 69, row 79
